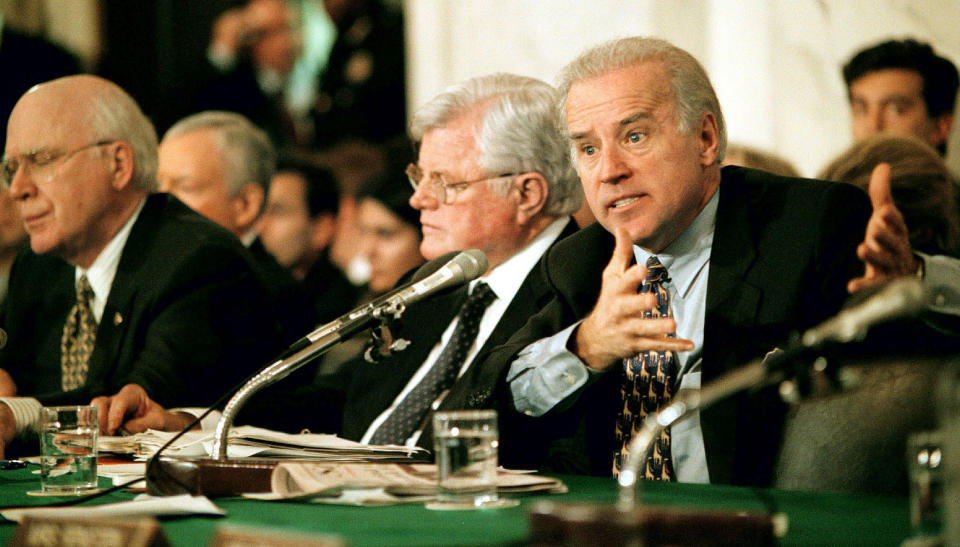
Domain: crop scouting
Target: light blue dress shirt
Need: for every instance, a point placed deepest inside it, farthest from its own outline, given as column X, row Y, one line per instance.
column 546, row 373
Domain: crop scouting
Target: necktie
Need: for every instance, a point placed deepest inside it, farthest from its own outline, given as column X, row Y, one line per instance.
column 408, row 415
column 648, row 386
column 79, row 334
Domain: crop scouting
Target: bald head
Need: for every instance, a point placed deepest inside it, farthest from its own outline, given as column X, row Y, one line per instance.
column 81, row 156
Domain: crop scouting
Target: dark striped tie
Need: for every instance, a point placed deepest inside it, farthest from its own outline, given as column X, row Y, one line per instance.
column 409, row 414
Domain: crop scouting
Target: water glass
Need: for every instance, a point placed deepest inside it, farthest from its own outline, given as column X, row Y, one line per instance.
column 68, row 450
column 465, row 445
column 925, row 469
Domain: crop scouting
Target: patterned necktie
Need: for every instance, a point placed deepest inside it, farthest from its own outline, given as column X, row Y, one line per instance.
column 648, row 386
column 408, row 415
column 79, row 334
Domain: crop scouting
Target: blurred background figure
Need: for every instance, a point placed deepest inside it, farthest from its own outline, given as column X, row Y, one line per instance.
column 253, row 50
column 25, row 61
column 12, row 238
column 902, row 87
column 220, row 165
column 748, row 156
column 362, row 89
column 920, row 183
column 389, row 229
column 297, row 228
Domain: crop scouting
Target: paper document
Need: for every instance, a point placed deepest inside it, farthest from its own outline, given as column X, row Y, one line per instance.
column 249, row 441
column 382, row 482
column 142, row 506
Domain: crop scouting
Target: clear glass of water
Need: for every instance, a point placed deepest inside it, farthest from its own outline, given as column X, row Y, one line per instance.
column 68, row 450
column 925, row 468
column 465, row 446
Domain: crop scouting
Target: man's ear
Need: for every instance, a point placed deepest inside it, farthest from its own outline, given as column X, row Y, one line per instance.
column 943, row 124
column 708, row 134
column 121, row 163
column 533, row 190
column 247, row 205
column 323, row 230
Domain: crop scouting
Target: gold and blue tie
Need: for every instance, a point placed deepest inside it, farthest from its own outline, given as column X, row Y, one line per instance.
column 648, row 384
column 79, row 335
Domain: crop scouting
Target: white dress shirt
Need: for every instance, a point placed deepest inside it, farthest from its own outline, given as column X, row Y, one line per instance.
column 503, row 280
column 100, row 274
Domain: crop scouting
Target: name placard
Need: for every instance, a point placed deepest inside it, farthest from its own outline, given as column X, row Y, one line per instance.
column 76, row 532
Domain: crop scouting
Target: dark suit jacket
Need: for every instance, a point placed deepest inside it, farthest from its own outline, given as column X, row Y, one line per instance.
column 185, row 318
column 348, row 401
column 289, row 298
column 782, row 252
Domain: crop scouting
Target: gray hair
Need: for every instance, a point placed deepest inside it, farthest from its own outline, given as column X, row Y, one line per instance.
column 115, row 115
column 693, row 94
column 519, row 131
column 245, row 150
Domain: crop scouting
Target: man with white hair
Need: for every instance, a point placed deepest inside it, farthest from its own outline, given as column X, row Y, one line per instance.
column 123, row 286
column 492, row 173
column 691, row 271
column 221, row 164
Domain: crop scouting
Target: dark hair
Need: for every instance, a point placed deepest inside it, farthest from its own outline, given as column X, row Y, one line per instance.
column 322, row 192
column 940, row 79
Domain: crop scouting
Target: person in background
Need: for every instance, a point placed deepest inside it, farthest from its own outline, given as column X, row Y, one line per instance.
column 122, row 286
column 297, row 228
column 389, row 230
column 902, row 87
column 754, row 158
column 920, row 183
column 220, row 165
column 252, row 52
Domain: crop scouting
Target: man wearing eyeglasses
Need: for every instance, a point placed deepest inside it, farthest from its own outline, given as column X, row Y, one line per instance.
column 121, row 286
column 492, row 173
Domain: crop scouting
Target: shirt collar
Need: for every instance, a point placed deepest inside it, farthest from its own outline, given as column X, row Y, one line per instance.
column 503, row 279
column 100, row 274
column 688, row 254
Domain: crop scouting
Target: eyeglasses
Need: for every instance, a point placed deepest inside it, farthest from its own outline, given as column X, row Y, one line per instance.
column 442, row 189
column 38, row 161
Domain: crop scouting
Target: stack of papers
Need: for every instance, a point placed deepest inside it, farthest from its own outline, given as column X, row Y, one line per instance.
column 378, row 484
column 255, row 442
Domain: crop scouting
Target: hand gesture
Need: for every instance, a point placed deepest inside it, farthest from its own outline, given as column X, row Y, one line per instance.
column 616, row 328
column 886, row 246
column 132, row 411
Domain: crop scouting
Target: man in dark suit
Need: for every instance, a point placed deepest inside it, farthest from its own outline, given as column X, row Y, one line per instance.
column 121, row 287
column 748, row 258
column 298, row 226
column 220, row 164
column 493, row 173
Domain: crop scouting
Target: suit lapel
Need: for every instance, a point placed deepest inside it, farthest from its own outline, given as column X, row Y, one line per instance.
column 731, row 298
column 120, row 302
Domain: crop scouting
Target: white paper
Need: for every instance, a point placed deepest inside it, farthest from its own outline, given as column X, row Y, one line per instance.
column 141, row 506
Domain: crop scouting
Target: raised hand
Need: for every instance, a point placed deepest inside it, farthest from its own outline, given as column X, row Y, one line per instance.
column 886, row 247
column 616, row 327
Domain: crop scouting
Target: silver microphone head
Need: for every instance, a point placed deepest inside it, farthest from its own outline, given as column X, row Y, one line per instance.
column 471, row 264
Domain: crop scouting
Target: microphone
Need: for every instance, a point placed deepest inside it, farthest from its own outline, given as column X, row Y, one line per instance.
column 900, row 298
column 462, row 268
